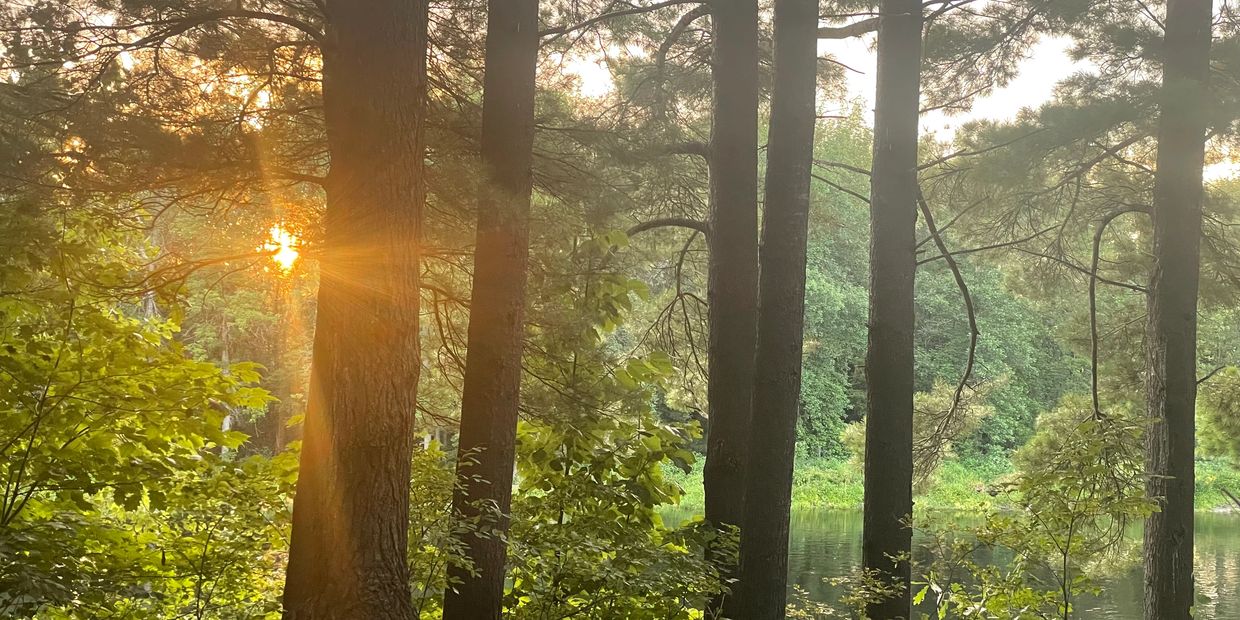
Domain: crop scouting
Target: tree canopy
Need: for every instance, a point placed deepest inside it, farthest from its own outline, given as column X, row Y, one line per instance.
column 521, row 303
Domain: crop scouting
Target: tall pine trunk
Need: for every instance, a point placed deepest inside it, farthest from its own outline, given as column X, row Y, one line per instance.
column 887, row 533
column 1172, row 330
column 733, row 271
column 781, row 314
column 493, row 361
column 350, row 520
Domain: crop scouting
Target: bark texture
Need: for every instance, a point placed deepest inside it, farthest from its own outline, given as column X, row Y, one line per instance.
column 781, row 314
column 491, row 393
column 887, row 534
column 733, row 271
column 1172, row 330
column 348, row 557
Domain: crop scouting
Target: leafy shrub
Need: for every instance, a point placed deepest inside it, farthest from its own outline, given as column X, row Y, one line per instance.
column 588, row 539
column 938, row 421
column 1218, row 415
column 1080, row 484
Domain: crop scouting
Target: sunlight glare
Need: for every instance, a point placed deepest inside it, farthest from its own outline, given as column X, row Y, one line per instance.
column 283, row 246
column 594, row 78
column 1221, row 170
column 71, row 150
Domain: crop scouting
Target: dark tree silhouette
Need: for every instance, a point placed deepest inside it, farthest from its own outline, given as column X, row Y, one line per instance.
column 348, row 552
column 1172, row 329
column 781, row 314
column 733, row 270
column 887, row 535
column 490, row 396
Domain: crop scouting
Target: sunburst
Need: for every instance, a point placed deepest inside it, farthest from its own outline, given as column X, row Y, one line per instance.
column 282, row 245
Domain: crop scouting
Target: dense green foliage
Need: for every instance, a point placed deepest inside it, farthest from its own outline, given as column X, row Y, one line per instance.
column 121, row 496
column 154, row 361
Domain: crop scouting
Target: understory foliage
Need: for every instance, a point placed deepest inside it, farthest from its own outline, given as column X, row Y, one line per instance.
column 126, row 498
column 939, row 418
column 587, row 537
column 589, row 541
column 1218, row 432
column 1061, row 532
column 154, row 360
column 1079, row 485
column 121, row 495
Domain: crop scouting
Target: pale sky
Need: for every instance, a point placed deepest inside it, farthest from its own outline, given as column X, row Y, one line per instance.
column 1047, row 64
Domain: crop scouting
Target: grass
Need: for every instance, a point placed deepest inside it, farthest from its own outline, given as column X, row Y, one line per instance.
column 1212, row 476
column 837, row 484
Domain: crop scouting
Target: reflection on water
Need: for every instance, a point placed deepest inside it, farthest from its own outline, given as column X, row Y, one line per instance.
column 827, row 544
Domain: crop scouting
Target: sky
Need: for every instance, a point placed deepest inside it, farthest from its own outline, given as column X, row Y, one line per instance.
column 1047, row 64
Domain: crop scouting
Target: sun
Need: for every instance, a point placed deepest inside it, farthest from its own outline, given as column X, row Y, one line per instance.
column 282, row 245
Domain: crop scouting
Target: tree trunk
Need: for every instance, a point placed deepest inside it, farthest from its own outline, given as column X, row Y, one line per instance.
column 887, row 533
column 1172, row 330
column 733, row 270
column 781, row 313
column 493, row 360
column 350, row 521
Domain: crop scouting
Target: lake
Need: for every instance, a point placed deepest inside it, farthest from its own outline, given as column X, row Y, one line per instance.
column 827, row 543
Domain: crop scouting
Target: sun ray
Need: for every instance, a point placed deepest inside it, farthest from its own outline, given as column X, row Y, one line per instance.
column 283, row 247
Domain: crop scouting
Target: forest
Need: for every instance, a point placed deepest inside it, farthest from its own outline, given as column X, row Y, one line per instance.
column 619, row 309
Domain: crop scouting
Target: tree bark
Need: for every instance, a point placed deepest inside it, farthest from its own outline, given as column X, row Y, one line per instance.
column 733, row 271
column 350, row 521
column 491, row 391
column 781, row 313
column 887, row 532
column 1172, row 328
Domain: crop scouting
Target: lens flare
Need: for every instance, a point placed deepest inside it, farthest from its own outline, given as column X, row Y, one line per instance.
column 283, row 247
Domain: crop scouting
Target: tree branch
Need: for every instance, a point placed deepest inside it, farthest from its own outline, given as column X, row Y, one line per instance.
column 182, row 25
column 869, row 25
column 677, row 31
column 1210, row 375
column 1231, row 497
column 669, row 222
column 637, row 10
column 1075, row 267
column 974, row 332
column 690, row 147
column 993, row 246
column 1093, row 304
column 841, row 188
column 660, row 57
column 847, row 31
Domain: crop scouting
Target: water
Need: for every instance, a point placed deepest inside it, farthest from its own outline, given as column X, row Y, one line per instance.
column 825, row 544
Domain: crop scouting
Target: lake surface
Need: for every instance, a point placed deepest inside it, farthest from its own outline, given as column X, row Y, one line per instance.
column 827, row 543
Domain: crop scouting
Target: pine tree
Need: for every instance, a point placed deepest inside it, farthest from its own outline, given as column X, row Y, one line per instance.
column 1171, row 343
column 781, row 313
column 348, row 557
column 491, row 392
column 887, row 537
column 733, row 269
